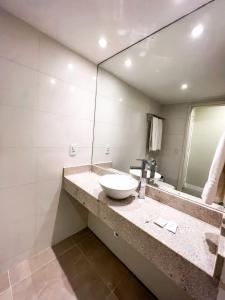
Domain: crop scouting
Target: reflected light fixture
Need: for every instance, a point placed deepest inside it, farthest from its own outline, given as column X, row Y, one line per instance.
column 197, row 31
column 72, row 89
column 102, row 42
column 70, row 67
column 52, row 81
column 184, row 86
column 128, row 63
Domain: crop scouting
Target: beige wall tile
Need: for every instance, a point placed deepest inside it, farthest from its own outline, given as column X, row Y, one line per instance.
column 60, row 62
column 46, row 103
column 19, row 41
column 16, row 127
column 18, row 166
column 18, row 84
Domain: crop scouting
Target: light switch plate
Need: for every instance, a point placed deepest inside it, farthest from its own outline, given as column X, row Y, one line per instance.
column 73, row 149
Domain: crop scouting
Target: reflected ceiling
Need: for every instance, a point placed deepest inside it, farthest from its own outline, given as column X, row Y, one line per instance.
column 183, row 63
column 97, row 29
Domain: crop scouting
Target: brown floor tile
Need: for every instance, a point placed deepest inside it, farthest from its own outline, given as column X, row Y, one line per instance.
column 107, row 266
column 131, row 288
column 81, row 235
column 112, row 296
column 84, row 269
column 24, row 290
column 58, row 290
column 86, row 283
column 19, row 272
column 63, row 246
column 32, row 287
column 68, row 261
column 69, row 242
column 52, row 283
column 41, row 259
column 6, row 295
column 92, row 247
column 4, row 281
column 29, row 266
column 110, row 269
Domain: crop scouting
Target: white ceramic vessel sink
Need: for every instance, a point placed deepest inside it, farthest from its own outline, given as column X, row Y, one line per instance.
column 137, row 173
column 118, row 186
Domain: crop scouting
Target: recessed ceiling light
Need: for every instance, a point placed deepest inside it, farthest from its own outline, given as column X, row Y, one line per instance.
column 197, row 31
column 102, row 42
column 128, row 63
column 184, row 86
column 70, row 66
column 142, row 53
column 53, row 81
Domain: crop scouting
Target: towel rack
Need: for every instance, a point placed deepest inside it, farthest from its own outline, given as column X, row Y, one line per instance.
column 149, row 116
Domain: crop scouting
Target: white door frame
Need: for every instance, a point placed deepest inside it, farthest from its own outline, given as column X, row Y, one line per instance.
column 187, row 140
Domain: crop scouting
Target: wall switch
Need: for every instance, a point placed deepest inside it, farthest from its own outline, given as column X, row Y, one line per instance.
column 107, row 149
column 73, row 149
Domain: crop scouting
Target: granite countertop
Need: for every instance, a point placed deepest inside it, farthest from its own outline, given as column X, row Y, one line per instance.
column 189, row 257
column 193, row 239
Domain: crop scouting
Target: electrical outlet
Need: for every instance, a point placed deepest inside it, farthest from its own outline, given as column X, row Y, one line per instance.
column 107, row 149
column 73, row 149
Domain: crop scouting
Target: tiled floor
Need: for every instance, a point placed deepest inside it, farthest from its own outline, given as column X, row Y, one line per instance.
column 80, row 267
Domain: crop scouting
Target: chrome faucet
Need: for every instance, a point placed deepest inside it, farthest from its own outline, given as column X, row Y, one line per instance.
column 145, row 166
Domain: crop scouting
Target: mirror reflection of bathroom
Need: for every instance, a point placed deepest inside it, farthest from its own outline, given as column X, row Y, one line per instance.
column 207, row 123
column 162, row 100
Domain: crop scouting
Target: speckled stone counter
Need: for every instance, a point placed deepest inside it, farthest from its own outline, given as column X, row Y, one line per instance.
column 187, row 257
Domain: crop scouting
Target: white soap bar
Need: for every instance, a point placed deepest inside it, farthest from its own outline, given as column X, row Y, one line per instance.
column 171, row 226
column 161, row 222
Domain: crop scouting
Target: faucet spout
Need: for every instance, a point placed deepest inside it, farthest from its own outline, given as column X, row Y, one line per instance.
column 145, row 166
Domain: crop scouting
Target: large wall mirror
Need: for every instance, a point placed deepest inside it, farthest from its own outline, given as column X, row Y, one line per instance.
column 164, row 98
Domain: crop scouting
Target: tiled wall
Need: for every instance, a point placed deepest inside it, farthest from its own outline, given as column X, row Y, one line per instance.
column 46, row 103
column 174, row 126
column 121, row 122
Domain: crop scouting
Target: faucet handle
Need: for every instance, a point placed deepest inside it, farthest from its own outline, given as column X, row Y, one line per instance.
column 143, row 159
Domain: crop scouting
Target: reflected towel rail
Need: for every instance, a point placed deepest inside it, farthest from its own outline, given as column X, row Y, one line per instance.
column 149, row 116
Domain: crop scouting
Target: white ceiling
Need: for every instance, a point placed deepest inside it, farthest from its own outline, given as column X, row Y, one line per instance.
column 78, row 24
column 173, row 57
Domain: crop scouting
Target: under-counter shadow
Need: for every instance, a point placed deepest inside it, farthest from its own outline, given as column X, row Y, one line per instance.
column 93, row 272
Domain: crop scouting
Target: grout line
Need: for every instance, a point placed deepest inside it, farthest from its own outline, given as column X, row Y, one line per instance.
column 31, row 273
column 90, row 90
column 53, row 259
column 10, row 285
column 93, row 269
column 94, row 120
column 35, row 109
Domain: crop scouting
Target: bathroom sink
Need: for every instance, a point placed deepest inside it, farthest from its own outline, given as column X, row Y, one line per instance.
column 137, row 174
column 118, row 186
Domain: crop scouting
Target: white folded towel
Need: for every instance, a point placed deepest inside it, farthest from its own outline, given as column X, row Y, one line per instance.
column 159, row 138
column 214, row 190
column 155, row 138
